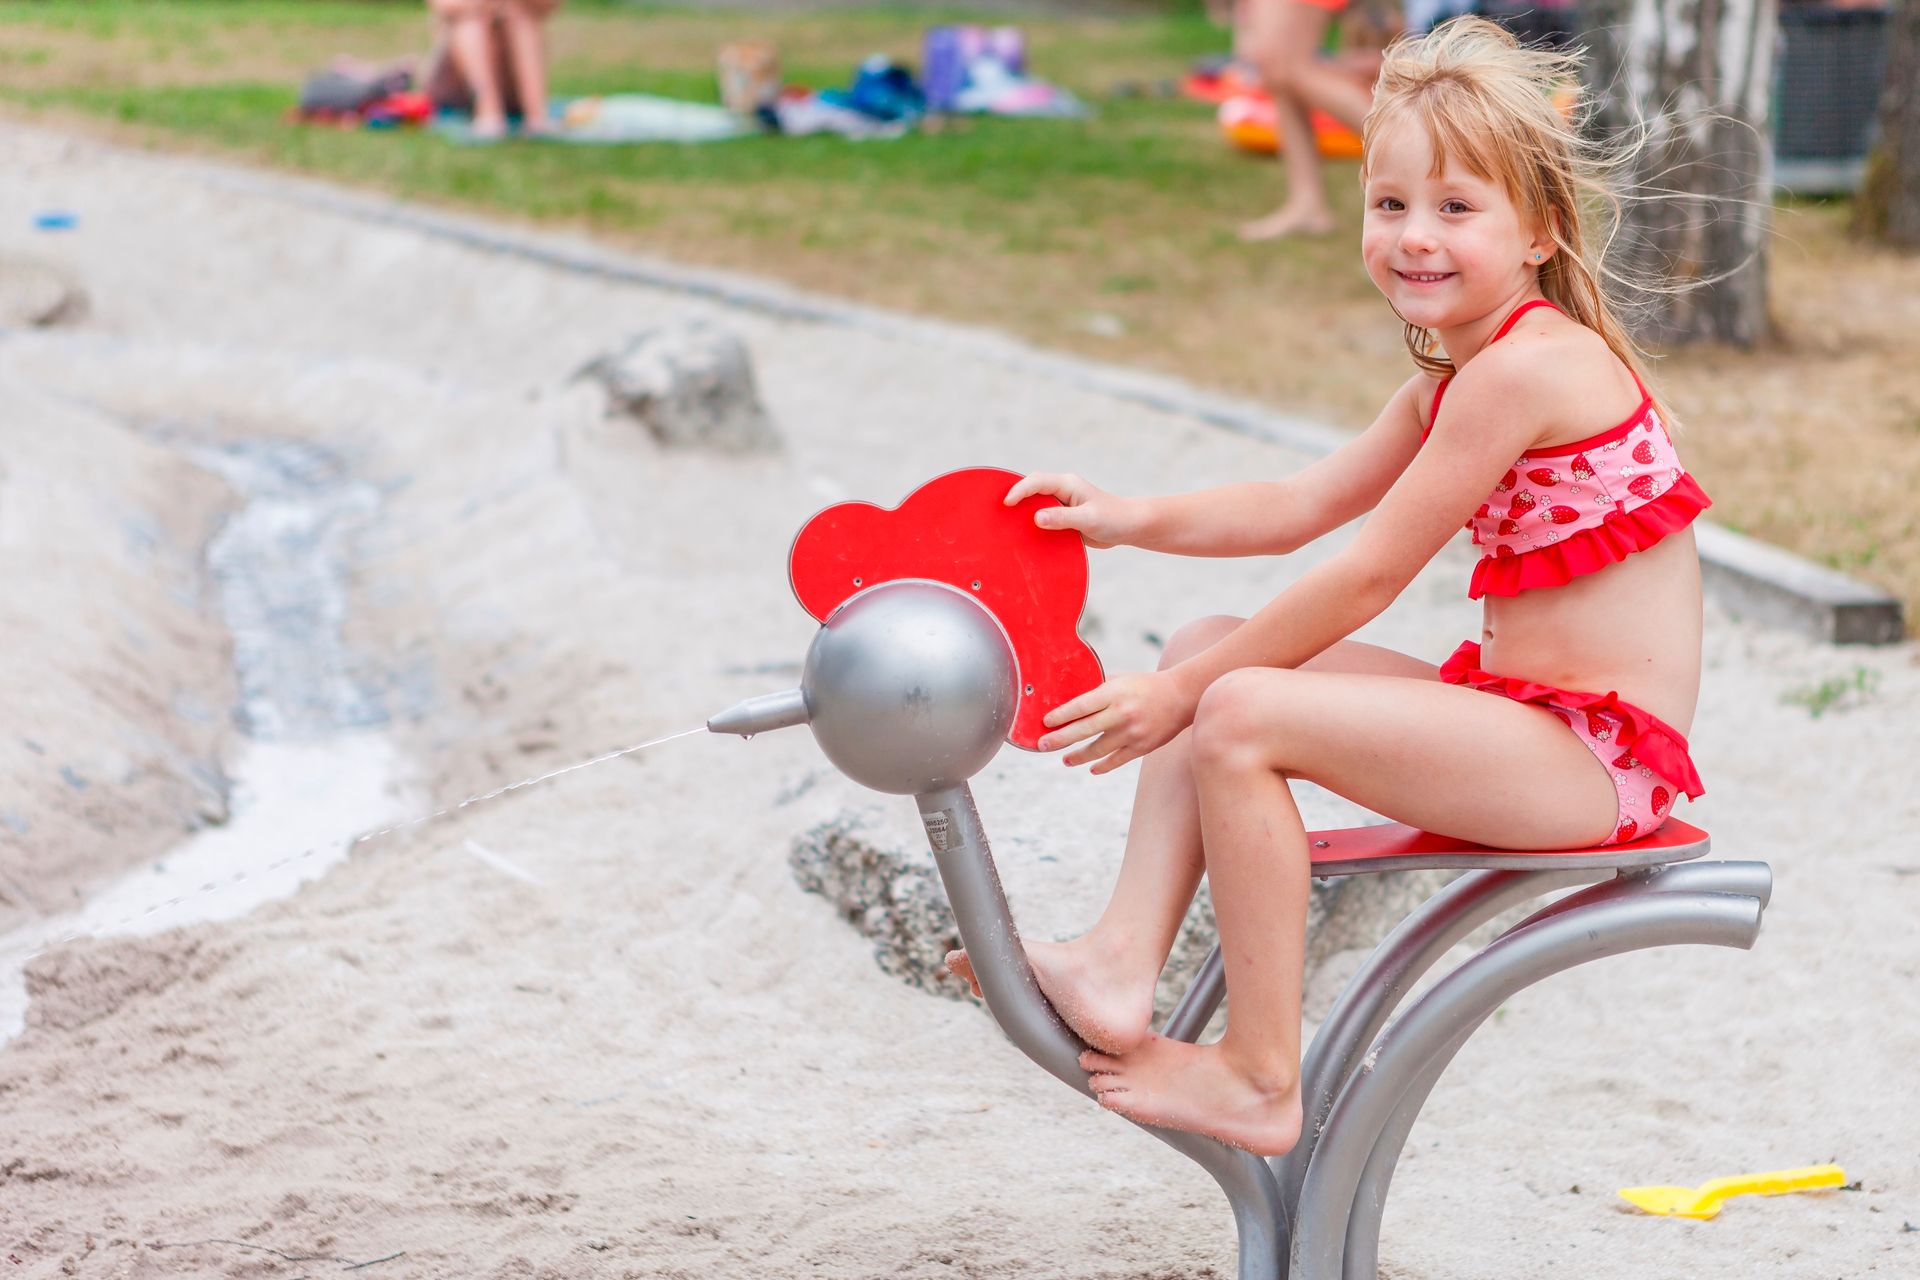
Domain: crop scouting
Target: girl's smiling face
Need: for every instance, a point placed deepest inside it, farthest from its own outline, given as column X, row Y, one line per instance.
column 1446, row 249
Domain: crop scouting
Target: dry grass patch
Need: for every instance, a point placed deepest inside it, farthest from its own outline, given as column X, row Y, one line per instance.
column 1813, row 442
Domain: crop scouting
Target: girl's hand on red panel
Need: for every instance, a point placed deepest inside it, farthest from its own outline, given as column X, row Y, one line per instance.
column 1120, row 721
column 1101, row 519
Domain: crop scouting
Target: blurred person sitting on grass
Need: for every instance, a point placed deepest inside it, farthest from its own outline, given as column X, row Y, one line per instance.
column 490, row 57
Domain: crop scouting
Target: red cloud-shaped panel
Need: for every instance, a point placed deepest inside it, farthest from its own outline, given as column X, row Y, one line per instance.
column 957, row 529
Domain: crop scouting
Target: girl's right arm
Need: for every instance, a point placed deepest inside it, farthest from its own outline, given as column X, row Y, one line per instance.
column 1252, row 518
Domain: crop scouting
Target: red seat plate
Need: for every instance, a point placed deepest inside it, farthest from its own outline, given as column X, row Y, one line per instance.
column 1397, row 847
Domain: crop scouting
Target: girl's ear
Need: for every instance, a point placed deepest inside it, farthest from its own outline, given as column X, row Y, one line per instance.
column 1544, row 244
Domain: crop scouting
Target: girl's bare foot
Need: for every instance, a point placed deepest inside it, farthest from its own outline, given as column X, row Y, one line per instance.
column 1106, row 1009
column 1200, row 1089
column 1288, row 221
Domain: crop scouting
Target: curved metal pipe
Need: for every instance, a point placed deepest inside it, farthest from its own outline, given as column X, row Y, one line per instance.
column 1013, row 997
column 1747, row 879
column 1190, row 1017
column 1393, row 968
column 1465, row 998
column 1743, row 879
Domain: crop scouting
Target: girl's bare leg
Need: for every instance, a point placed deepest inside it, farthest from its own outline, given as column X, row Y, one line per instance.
column 1306, row 211
column 1336, row 89
column 1283, row 38
column 1410, row 749
column 527, row 54
column 469, row 28
column 1271, row 30
column 1102, row 983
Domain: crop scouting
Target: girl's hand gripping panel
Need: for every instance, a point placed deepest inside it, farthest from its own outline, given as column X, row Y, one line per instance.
column 956, row 529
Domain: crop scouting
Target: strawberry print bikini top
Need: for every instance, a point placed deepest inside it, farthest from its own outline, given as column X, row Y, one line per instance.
column 1573, row 509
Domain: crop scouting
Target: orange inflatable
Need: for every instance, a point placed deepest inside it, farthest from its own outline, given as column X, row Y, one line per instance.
column 1215, row 87
column 1250, row 123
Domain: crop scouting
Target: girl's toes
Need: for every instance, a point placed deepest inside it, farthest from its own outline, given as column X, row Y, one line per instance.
column 961, row 967
column 1094, row 1060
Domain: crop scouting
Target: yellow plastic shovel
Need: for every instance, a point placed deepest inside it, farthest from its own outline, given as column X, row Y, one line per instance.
column 1705, row 1200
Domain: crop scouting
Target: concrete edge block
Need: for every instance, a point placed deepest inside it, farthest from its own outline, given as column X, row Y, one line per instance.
column 1770, row 585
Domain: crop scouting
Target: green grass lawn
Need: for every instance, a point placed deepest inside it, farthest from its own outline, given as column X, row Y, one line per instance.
column 1058, row 229
column 226, row 71
column 1111, row 236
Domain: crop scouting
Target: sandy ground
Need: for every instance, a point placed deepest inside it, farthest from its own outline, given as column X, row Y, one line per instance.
column 592, row 1028
column 116, row 700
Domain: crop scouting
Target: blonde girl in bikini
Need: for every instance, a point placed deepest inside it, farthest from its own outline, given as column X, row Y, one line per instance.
column 1562, row 726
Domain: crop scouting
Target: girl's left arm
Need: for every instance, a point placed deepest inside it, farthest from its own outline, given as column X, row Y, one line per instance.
column 1489, row 419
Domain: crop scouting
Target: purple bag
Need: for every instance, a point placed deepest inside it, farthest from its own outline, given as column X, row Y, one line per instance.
column 947, row 54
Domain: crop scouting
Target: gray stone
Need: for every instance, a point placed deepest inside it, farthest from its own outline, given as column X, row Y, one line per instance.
column 890, row 892
column 690, row 386
column 1349, row 912
column 889, row 895
column 38, row 295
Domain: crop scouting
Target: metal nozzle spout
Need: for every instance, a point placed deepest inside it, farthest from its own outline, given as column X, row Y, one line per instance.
column 758, row 715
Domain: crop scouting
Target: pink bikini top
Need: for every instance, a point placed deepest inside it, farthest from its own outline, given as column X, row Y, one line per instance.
column 1573, row 509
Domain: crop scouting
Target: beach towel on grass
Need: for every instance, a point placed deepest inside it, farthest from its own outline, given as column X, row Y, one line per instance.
column 630, row 117
column 641, row 117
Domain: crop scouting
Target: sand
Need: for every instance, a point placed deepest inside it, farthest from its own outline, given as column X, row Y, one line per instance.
column 592, row 1028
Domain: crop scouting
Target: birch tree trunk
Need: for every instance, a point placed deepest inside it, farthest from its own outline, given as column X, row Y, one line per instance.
column 1697, row 75
column 1890, row 200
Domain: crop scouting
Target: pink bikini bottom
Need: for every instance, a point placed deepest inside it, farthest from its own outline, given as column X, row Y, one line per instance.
column 1646, row 757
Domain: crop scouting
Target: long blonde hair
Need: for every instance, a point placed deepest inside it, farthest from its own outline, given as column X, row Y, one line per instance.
column 1508, row 113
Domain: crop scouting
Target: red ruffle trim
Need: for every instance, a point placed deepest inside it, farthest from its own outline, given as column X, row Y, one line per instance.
column 1591, row 550
column 1653, row 741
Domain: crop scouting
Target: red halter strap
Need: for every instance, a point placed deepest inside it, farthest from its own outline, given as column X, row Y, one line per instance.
column 1513, row 317
column 1506, row 327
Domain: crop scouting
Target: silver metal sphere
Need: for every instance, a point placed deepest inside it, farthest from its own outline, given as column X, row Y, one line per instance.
column 910, row 687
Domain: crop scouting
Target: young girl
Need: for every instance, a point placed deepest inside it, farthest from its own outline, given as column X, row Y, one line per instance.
column 1528, row 421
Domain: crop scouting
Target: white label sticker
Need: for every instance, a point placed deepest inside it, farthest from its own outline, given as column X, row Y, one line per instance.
column 940, row 829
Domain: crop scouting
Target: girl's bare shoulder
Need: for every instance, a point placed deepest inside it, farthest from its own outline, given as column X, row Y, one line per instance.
column 1561, row 374
column 1579, row 354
